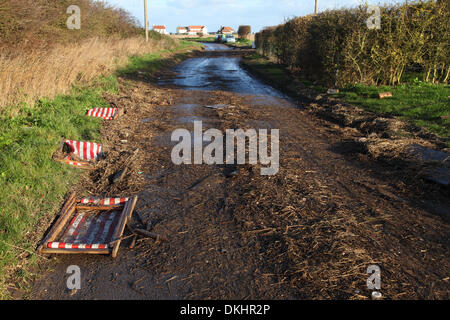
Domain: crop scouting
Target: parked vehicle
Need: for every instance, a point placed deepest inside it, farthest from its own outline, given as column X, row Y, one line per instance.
column 229, row 39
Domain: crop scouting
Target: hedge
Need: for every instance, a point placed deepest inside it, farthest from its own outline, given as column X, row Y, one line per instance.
column 336, row 47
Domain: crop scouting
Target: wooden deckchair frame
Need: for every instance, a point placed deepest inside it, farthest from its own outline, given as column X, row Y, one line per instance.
column 69, row 210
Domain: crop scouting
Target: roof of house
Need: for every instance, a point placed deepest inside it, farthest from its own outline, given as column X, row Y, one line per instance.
column 227, row 29
column 182, row 28
column 196, row 27
column 159, row 27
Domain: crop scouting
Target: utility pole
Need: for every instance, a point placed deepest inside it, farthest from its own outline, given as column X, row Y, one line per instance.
column 316, row 9
column 146, row 21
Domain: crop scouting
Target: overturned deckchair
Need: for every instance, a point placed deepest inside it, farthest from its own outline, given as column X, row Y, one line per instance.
column 90, row 226
column 78, row 153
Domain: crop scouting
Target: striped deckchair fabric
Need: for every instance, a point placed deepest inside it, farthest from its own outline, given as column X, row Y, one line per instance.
column 104, row 113
column 62, row 245
column 87, row 151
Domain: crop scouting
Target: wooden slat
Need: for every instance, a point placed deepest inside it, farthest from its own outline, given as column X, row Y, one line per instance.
column 133, row 204
column 126, row 214
column 64, row 216
column 75, row 251
column 85, row 166
column 99, row 208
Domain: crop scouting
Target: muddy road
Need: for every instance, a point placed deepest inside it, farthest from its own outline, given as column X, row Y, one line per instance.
column 308, row 232
column 221, row 72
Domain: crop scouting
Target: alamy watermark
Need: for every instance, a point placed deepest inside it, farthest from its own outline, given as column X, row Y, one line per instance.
column 74, row 21
column 234, row 140
column 374, row 279
column 374, row 21
column 74, row 280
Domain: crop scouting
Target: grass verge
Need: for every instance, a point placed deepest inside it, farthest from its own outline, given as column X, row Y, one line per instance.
column 420, row 103
column 155, row 61
column 241, row 43
column 32, row 184
column 201, row 39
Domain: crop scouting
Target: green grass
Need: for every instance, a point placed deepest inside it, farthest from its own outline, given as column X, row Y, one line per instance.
column 421, row 103
column 267, row 69
column 155, row 61
column 201, row 39
column 241, row 43
column 32, row 184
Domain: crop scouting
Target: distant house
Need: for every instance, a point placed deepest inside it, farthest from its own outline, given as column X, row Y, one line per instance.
column 182, row 30
column 160, row 29
column 227, row 30
column 193, row 30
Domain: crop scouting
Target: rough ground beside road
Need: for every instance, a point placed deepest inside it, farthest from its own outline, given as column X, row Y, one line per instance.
column 309, row 232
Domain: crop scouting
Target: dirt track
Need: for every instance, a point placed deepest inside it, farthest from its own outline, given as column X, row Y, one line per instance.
column 309, row 232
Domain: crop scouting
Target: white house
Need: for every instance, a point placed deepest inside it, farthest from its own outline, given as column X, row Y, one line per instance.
column 160, row 29
column 182, row 30
column 193, row 30
column 227, row 30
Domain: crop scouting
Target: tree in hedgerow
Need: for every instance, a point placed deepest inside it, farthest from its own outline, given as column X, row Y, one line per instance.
column 244, row 31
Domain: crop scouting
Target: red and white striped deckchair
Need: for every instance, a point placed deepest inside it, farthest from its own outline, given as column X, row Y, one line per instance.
column 89, row 225
column 104, row 113
column 87, row 151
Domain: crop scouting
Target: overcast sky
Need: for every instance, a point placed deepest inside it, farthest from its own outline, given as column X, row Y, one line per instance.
column 216, row 13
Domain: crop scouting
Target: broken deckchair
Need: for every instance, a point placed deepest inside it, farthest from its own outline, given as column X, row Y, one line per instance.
column 78, row 153
column 90, row 226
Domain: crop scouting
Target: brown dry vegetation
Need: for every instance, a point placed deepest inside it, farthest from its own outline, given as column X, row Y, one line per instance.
column 40, row 57
column 39, row 73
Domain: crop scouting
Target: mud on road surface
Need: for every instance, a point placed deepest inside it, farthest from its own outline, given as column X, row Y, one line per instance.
column 308, row 232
